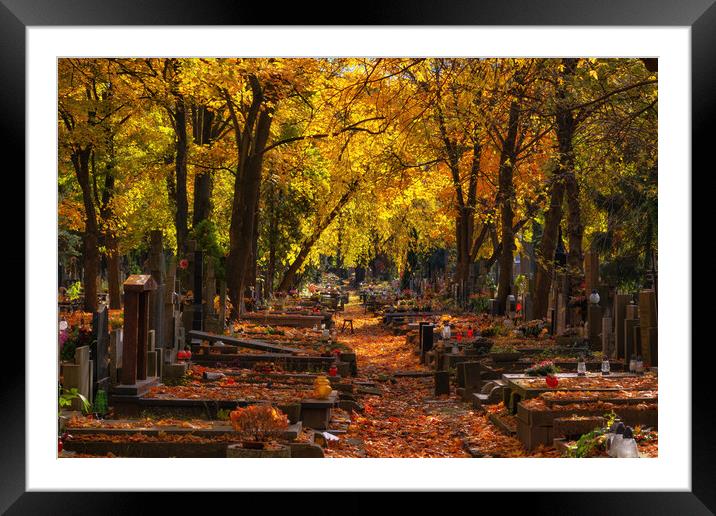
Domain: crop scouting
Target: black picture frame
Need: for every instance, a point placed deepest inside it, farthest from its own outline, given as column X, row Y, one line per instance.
column 699, row 15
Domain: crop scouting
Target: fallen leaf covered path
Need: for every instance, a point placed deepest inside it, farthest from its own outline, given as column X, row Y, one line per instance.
column 407, row 420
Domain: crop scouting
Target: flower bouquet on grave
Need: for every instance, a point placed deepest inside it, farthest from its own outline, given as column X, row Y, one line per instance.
column 544, row 368
column 258, row 425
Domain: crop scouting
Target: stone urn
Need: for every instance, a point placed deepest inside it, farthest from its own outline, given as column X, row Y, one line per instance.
column 243, row 451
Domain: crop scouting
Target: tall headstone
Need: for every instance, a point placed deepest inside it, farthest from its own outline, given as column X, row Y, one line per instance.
column 171, row 305
column 156, row 298
column 198, row 305
column 211, row 322
column 630, row 347
column 99, row 353
column 528, row 307
column 607, row 337
column 115, row 356
column 561, row 313
column 620, row 303
column 594, row 317
column 426, row 340
column 136, row 327
column 648, row 323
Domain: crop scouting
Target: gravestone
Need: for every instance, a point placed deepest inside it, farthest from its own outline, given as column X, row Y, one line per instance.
column 472, row 378
column 632, row 310
column 426, row 340
column 222, row 306
column 136, row 328
column 151, row 364
column 99, row 353
column 442, row 383
column 115, row 356
column 78, row 375
column 594, row 317
column 648, row 323
column 528, row 307
column 561, row 314
column 607, row 337
column 493, row 307
column 171, row 305
column 629, row 331
column 620, row 303
column 211, row 321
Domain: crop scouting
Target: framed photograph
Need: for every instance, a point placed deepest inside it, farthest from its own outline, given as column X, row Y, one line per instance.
column 436, row 233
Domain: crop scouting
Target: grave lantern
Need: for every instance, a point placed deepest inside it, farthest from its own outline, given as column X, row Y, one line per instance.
column 594, row 297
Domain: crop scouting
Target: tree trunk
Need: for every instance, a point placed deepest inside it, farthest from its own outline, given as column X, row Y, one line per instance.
column 566, row 126
column 548, row 246
column 90, row 253
column 181, row 216
column 575, row 230
column 289, row 277
column 246, row 196
column 113, row 274
column 272, row 240
column 505, row 198
column 251, row 269
column 203, row 187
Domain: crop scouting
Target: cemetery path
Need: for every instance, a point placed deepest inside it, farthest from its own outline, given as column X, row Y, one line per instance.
column 407, row 420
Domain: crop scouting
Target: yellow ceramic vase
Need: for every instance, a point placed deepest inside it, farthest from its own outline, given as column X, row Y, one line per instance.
column 322, row 388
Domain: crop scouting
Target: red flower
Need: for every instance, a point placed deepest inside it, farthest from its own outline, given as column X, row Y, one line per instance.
column 184, row 263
